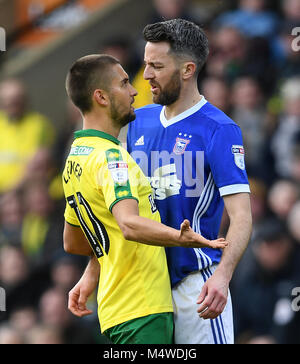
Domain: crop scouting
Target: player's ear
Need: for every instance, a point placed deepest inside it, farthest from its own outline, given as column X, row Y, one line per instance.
column 188, row 70
column 101, row 97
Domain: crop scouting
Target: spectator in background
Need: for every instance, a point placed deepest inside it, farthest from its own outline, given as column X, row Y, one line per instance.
column 291, row 10
column 14, row 272
column 44, row 334
column 66, row 270
column 284, row 138
column 11, row 216
column 263, row 294
column 249, row 111
column 9, row 336
column 282, row 196
column 40, row 167
column 42, row 229
column 258, row 199
column 228, row 53
column 23, row 319
column 120, row 48
column 251, row 18
column 295, row 162
column 217, row 92
column 14, row 267
column 53, row 310
column 233, row 55
column 22, row 133
column 67, row 16
column 172, row 9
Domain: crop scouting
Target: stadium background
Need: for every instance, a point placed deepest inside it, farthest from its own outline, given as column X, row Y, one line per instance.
column 252, row 74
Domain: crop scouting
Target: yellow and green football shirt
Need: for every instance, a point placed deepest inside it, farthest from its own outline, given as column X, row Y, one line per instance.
column 134, row 280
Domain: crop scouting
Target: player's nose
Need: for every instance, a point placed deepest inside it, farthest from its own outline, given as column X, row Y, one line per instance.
column 133, row 91
column 148, row 73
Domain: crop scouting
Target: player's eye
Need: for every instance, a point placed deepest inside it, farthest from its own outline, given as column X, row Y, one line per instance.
column 125, row 82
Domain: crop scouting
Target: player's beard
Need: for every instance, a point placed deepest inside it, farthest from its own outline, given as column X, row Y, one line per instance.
column 171, row 92
column 120, row 117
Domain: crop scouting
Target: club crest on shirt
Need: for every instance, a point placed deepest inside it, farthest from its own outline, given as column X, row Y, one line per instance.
column 239, row 156
column 181, row 144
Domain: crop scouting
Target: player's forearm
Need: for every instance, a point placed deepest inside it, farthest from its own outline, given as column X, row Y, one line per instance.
column 238, row 236
column 92, row 271
column 146, row 231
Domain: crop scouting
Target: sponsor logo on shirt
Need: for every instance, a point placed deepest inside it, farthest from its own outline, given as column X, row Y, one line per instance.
column 119, row 172
column 81, row 150
column 239, row 156
column 140, row 141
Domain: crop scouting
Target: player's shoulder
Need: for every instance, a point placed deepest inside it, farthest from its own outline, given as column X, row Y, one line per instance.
column 147, row 107
column 146, row 117
column 216, row 116
column 148, row 110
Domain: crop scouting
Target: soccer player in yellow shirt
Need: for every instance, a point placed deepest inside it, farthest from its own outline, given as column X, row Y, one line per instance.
column 110, row 211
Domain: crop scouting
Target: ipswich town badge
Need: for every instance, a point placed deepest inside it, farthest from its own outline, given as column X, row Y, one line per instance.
column 180, row 146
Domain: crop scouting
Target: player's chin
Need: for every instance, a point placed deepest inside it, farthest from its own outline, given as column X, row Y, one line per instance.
column 128, row 118
column 132, row 114
column 155, row 99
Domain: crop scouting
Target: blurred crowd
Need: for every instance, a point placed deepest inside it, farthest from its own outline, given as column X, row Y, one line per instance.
column 253, row 75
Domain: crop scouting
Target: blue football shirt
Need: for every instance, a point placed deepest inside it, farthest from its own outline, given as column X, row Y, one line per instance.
column 191, row 161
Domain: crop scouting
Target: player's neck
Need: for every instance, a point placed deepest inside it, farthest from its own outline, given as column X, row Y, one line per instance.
column 189, row 97
column 102, row 123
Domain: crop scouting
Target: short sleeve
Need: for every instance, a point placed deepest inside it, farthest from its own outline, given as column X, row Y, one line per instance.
column 118, row 177
column 226, row 156
column 70, row 216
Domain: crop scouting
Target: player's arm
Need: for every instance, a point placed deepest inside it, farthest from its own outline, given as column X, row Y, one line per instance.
column 80, row 293
column 147, row 231
column 239, row 211
column 75, row 241
column 213, row 297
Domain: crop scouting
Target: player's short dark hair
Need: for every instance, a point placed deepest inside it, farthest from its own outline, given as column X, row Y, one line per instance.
column 186, row 39
column 85, row 76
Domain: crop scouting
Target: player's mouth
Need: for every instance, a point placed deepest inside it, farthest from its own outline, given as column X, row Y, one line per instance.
column 154, row 88
column 132, row 104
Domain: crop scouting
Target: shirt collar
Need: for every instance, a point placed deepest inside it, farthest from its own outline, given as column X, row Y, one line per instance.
column 183, row 115
column 95, row 133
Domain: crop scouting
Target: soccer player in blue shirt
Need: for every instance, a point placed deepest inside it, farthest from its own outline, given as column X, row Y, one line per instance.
column 194, row 157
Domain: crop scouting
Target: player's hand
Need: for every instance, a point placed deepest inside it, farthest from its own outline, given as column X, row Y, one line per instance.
column 213, row 297
column 78, row 297
column 194, row 240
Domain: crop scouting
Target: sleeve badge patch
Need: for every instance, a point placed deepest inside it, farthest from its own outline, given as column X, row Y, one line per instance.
column 119, row 172
column 239, row 156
